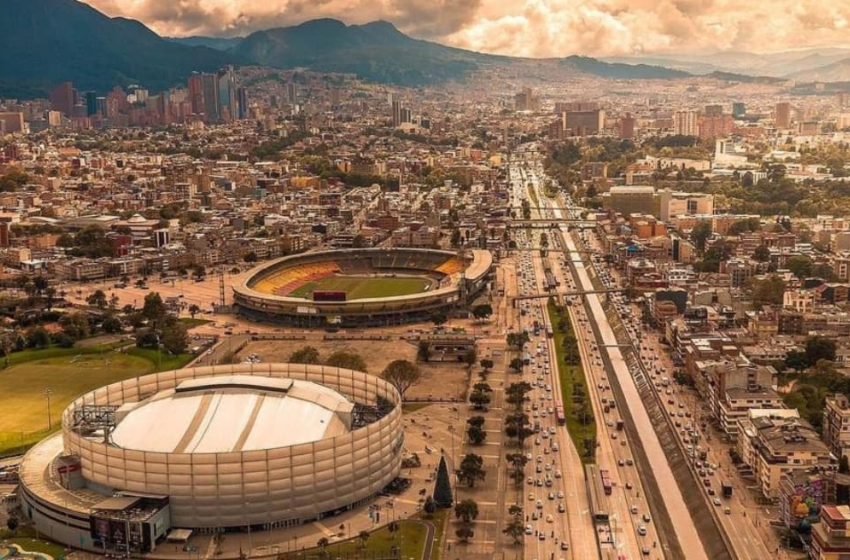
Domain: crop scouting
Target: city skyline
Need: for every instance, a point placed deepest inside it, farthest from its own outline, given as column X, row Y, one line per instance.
column 535, row 28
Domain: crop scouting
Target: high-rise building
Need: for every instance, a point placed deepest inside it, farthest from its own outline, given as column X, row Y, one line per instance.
column 782, row 115
column 91, row 103
column 227, row 94
column 242, row 98
column 196, row 93
column 291, row 94
column 397, row 108
column 11, row 122
column 525, row 100
column 567, row 106
column 209, row 86
column 583, row 123
column 716, row 127
column 739, row 110
column 685, row 123
column 627, row 126
column 63, row 98
column 713, row 110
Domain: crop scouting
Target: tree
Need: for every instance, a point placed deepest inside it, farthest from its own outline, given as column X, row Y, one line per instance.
column 429, row 507
column 154, row 310
column 112, row 324
column 796, row 360
column 194, row 309
column 475, row 421
column 97, row 299
column 479, row 399
column 175, row 337
column 363, row 536
column 515, row 530
column 768, row 291
column 516, row 364
column 482, row 311
column 12, row 524
column 466, row 510
column 800, row 266
column 517, row 340
column 700, row 234
column 305, row 355
column 250, row 257
column 199, row 271
column 456, row 237
column 471, row 469
column 762, row 253
column 359, row 241
column 402, row 375
column 439, row 318
column 346, row 360
column 38, row 338
column 819, row 348
column 443, row 486
column 516, row 392
column 469, row 357
column 49, row 297
column 464, row 533
column 476, row 435
column 423, row 352
column 75, row 325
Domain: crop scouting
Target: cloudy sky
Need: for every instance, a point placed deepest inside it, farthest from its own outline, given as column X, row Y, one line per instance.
column 536, row 28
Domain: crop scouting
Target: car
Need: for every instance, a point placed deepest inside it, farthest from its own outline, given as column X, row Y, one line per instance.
column 555, row 446
column 550, row 519
column 646, row 518
column 614, row 435
column 641, row 530
column 539, row 504
column 716, row 501
column 645, row 551
column 558, row 473
column 629, row 486
column 727, row 510
column 541, row 536
column 634, row 509
column 629, row 462
column 530, row 480
column 531, row 496
column 562, row 508
column 560, row 494
column 564, row 545
column 710, row 491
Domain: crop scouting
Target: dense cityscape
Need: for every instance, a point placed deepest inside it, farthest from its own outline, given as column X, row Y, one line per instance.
column 412, row 301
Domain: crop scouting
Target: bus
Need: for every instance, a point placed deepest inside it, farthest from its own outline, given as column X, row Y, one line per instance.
column 559, row 415
column 598, row 502
column 606, row 481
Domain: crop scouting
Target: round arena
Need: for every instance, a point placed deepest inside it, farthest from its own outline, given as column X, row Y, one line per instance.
column 210, row 449
column 362, row 287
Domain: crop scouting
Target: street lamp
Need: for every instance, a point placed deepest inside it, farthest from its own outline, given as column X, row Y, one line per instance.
column 47, row 393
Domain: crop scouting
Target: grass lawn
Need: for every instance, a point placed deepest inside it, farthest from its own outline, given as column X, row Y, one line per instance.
column 410, row 537
column 571, row 376
column 191, row 323
column 67, row 372
column 361, row 287
column 38, row 545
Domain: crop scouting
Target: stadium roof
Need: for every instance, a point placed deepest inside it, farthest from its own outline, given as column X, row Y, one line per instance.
column 230, row 414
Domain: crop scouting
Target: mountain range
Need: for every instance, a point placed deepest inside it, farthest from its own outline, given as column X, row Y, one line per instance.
column 45, row 42
column 821, row 64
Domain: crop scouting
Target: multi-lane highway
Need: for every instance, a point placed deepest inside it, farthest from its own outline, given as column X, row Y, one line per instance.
column 630, row 532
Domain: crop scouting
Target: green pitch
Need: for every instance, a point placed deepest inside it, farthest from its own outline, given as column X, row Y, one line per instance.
column 361, row 287
column 23, row 405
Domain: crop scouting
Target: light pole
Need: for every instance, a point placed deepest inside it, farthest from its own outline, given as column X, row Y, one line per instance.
column 47, row 393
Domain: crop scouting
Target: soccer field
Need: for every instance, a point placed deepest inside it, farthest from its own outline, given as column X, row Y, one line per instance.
column 360, row 287
column 23, row 404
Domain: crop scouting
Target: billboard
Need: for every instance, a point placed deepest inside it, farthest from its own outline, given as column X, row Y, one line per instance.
column 328, row 296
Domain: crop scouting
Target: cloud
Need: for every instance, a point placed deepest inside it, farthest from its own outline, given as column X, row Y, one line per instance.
column 538, row 28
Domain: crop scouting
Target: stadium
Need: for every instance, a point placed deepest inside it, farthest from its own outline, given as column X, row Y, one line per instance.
column 211, row 449
column 362, row 287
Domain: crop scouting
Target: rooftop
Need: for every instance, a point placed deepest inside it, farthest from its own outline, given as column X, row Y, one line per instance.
column 230, row 414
